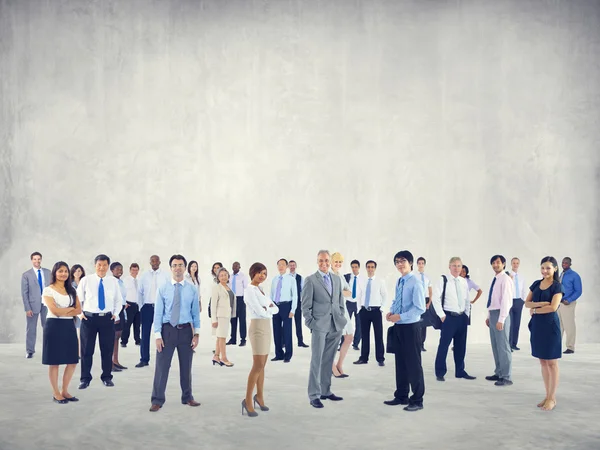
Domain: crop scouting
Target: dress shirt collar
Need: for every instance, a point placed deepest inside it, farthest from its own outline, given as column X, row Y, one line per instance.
column 35, row 270
column 407, row 276
column 293, row 274
column 323, row 274
column 281, row 274
column 173, row 282
column 98, row 277
column 451, row 277
column 500, row 274
column 372, row 278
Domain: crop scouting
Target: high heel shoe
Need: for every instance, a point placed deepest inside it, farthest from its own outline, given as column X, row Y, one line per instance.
column 262, row 408
column 220, row 363
column 227, row 363
column 249, row 413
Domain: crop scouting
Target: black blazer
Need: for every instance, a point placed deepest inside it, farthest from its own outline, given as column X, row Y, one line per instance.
column 299, row 287
column 347, row 277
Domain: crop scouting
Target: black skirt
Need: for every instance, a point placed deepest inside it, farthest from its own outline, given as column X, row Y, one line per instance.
column 119, row 326
column 60, row 342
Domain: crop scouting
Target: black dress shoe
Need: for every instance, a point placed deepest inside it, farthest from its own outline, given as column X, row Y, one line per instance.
column 423, row 349
column 286, row 360
column 503, row 382
column 331, row 397
column 138, row 343
column 71, row 399
column 116, row 369
column 243, row 343
column 492, row 378
column 29, row 355
column 568, row 351
column 123, row 345
column 316, row 403
column 303, row 345
column 396, row 401
column 466, row 376
column 355, row 347
column 108, row 383
column 64, row 401
column 440, row 378
column 360, row 361
column 84, row 384
column 142, row 364
column 381, row 363
column 121, row 366
column 230, row 342
column 412, row 408
column 277, row 359
column 514, row 347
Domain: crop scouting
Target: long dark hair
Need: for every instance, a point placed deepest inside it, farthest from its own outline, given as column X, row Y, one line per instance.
column 212, row 271
column 68, row 286
column 74, row 269
column 552, row 260
column 194, row 277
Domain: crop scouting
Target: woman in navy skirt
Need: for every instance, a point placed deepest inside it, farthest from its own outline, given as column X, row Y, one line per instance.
column 544, row 300
column 60, row 337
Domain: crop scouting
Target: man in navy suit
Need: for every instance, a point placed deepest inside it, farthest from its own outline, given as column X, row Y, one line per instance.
column 298, row 313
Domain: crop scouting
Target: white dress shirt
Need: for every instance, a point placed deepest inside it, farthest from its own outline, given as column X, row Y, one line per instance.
column 132, row 288
column 425, row 281
column 35, row 271
column 258, row 304
column 149, row 284
column 188, row 278
column 452, row 302
column 378, row 292
column 87, row 291
column 359, row 281
column 241, row 283
column 523, row 288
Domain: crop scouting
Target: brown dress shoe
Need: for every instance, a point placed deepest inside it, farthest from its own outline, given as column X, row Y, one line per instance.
column 193, row 403
column 155, row 408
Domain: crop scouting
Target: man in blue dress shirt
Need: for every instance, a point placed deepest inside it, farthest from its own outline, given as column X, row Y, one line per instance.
column 405, row 313
column 284, row 293
column 571, row 282
column 176, row 326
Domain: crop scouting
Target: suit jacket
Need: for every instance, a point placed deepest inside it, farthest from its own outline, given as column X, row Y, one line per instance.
column 30, row 290
column 299, row 288
column 220, row 304
column 321, row 311
column 347, row 277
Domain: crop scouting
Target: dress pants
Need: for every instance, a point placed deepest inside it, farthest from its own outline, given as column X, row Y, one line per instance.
column 409, row 370
column 566, row 315
column 241, row 315
column 147, row 318
column 298, row 321
column 454, row 327
column 515, row 321
column 366, row 319
column 104, row 328
column 180, row 339
column 133, row 318
column 31, row 330
column 501, row 346
column 282, row 331
column 353, row 311
column 324, row 347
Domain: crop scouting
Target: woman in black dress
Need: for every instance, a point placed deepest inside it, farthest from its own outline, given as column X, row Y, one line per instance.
column 544, row 300
column 60, row 337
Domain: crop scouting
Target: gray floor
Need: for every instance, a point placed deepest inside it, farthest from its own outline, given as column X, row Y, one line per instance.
column 458, row 414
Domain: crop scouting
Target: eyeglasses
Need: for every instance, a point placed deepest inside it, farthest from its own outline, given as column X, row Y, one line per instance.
column 400, row 261
column 177, row 265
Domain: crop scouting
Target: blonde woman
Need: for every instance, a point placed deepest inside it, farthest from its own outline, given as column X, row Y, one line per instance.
column 223, row 307
column 337, row 260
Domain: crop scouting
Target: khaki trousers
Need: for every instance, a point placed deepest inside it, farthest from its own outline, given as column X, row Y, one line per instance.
column 566, row 314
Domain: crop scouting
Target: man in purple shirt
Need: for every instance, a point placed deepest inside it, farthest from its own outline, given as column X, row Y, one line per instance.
column 500, row 301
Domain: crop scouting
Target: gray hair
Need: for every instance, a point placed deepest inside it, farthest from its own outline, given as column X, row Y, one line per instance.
column 455, row 259
column 324, row 252
column 223, row 269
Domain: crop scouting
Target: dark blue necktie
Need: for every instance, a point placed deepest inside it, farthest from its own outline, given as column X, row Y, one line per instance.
column 491, row 290
column 101, row 301
column 354, row 288
column 40, row 281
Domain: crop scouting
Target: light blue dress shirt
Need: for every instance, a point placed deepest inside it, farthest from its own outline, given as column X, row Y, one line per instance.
column 571, row 282
column 189, row 311
column 409, row 301
column 289, row 290
column 145, row 286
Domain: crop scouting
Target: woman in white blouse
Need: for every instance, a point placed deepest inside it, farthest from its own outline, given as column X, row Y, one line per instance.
column 337, row 260
column 192, row 277
column 60, row 337
column 261, row 309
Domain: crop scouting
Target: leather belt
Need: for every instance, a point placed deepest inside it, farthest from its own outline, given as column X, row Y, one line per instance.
column 452, row 313
column 371, row 308
column 131, row 303
column 181, row 326
column 91, row 314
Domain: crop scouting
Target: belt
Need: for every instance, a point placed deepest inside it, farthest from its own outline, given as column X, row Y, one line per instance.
column 370, row 308
column 132, row 303
column 180, row 326
column 287, row 301
column 91, row 314
column 452, row 313
column 148, row 304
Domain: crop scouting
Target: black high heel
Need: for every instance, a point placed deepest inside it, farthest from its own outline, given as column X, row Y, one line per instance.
column 244, row 407
column 262, row 408
column 220, row 363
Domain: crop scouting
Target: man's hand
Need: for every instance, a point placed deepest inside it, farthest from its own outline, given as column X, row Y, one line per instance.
column 443, row 319
column 393, row 318
column 215, row 324
column 115, row 318
column 159, row 345
column 427, row 305
column 126, row 305
column 499, row 326
column 487, row 322
column 195, row 341
column 29, row 313
column 564, row 302
column 291, row 315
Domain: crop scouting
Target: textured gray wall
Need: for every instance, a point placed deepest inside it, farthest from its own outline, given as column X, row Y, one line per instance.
column 252, row 130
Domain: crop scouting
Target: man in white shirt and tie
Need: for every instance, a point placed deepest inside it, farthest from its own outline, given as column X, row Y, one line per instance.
column 33, row 282
column 284, row 293
column 371, row 302
column 426, row 282
column 354, row 281
column 521, row 291
column 238, row 282
column 101, row 303
column 149, row 284
column 451, row 303
column 133, row 309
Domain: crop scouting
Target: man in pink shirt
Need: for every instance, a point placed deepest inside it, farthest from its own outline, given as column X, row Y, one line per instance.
column 500, row 301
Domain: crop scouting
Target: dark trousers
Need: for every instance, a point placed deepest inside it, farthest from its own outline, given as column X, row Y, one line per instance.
column 353, row 311
column 133, row 318
column 180, row 339
column 424, row 324
column 147, row 317
column 298, row 322
column 282, row 331
column 515, row 321
column 241, row 315
column 409, row 371
column 366, row 319
column 454, row 327
column 104, row 328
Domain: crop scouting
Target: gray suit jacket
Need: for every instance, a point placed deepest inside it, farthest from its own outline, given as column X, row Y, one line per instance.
column 321, row 310
column 30, row 290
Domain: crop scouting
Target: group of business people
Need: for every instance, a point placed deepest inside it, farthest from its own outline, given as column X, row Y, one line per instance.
column 324, row 301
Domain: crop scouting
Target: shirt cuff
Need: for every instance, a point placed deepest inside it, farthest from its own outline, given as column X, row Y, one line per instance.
column 158, row 335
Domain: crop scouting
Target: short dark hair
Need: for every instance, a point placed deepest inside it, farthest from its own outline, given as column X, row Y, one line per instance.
column 179, row 258
column 114, row 265
column 371, row 262
column 101, row 258
column 405, row 254
column 256, row 268
column 568, row 258
column 420, row 258
column 134, row 265
column 355, row 261
column 292, row 261
column 500, row 257
column 283, row 259
column 35, row 254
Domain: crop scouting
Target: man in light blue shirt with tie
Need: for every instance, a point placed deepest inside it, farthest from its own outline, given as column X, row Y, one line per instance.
column 405, row 313
column 284, row 293
column 176, row 326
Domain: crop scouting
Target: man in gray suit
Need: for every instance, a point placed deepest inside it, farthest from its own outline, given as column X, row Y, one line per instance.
column 323, row 310
column 33, row 283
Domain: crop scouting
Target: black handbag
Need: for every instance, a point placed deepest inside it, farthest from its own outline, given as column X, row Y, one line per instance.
column 389, row 346
column 434, row 319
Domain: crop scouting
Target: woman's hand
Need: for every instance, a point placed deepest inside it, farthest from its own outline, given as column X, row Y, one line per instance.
column 215, row 324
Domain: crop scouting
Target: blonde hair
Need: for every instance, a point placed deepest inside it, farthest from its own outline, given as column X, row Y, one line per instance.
column 337, row 255
column 454, row 259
